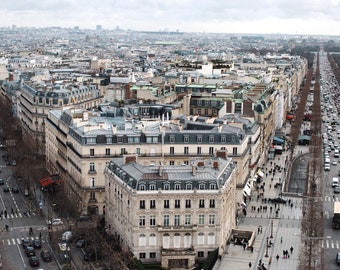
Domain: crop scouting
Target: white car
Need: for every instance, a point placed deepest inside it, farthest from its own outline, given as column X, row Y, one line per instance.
column 334, row 162
column 56, row 221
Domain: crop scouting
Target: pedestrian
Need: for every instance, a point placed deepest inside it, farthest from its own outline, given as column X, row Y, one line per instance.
column 12, row 211
column 270, row 261
column 261, row 229
column 291, row 250
column 5, row 212
column 6, row 227
column 244, row 246
column 287, row 253
column 30, row 231
column 252, row 249
column 39, row 235
column 260, row 262
column 271, row 209
column 258, row 230
column 277, row 257
column 249, row 264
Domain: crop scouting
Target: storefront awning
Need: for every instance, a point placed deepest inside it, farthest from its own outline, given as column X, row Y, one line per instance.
column 246, row 190
column 260, row 173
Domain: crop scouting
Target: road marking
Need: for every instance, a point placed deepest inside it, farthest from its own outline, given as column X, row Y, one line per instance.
column 9, row 242
column 337, row 244
column 13, row 241
column 18, row 241
column 327, row 244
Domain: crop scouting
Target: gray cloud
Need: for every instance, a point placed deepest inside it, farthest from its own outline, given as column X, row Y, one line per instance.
column 186, row 15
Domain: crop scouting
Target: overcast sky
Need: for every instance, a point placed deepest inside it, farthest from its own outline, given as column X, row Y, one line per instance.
column 222, row 16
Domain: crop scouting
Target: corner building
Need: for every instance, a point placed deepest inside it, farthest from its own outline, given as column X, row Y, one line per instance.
column 174, row 215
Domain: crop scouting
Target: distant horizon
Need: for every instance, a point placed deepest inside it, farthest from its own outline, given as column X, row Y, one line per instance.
column 117, row 28
column 286, row 17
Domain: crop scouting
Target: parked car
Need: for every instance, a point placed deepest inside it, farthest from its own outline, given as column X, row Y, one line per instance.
column 84, row 218
column 337, row 190
column 46, row 256
column 66, row 236
column 89, row 255
column 36, row 243
column 278, row 200
column 15, row 189
column 56, row 221
column 2, row 182
column 80, row 243
column 6, row 189
column 29, row 250
column 34, row 261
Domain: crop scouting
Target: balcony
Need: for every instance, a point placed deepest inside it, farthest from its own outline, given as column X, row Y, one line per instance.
column 182, row 228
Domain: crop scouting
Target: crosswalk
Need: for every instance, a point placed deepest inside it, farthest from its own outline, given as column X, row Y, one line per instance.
column 16, row 241
column 330, row 244
column 331, row 199
column 17, row 215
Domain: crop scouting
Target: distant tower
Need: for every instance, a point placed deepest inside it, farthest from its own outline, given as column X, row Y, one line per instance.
column 98, row 27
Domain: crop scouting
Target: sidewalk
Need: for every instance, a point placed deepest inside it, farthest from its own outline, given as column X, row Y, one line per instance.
column 283, row 229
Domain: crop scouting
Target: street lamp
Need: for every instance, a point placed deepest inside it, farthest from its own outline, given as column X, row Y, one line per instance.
column 271, row 231
column 267, row 248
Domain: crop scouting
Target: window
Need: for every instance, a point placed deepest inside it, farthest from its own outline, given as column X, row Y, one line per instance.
column 206, row 112
column 188, row 186
column 238, row 108
column 177, row 186
column 142, row 240
column 142, row 204
column 172, row 163
column 200, row 254
column 186, row 139
column 200, row 239
column 172, row 139
column 212, row 186
column 107, row 151
column 223, row 139
column 141, row 220
column 211, row 219
column 201, row 203
column 152, row 221
column 152, row 204
column 201, row 186
column 142, row 255
column 187, row 203
column 211, row 151
column 91, row 152
column 166, row 204
column 177, row 220
column 92, row 167
column 92, row 196
column 92, row 182
column 187, row 221
column 172, row 150
column 200, row 219
column 211, row 139
column 212, row 203
column 152, row 186
column 177, row 204
column 166, row 186
column 142, row 186
column 152, row 255
column 199, row 150
column 122, row 151
column 138, row 151
column 199, row 139
column 234, row 151
column 166, row 220
column 152, row 239
column 186, row 150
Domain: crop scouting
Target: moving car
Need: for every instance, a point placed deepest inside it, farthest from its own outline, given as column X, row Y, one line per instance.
column 15, row 189
column 6, row 189
column 2, row 182
column 29, row 250
column 337, row 190
column 34, row 261
column 337, row 258
column 36, row 243
column 25, row 242
column 67, row 236
column 46, row 256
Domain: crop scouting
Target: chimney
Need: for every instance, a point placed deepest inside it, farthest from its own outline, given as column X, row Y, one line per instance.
column 160, row 171
column 194, row 168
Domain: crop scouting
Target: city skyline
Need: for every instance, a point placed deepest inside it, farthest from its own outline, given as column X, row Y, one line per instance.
column 313, row 17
